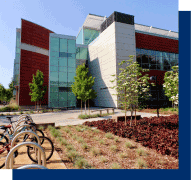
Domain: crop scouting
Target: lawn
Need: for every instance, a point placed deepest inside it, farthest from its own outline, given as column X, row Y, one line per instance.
column 85, row 147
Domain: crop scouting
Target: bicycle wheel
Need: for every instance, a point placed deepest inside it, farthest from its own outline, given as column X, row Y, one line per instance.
column 3, row 138
column 47, row 145
column 39, row 133
column 3, row 154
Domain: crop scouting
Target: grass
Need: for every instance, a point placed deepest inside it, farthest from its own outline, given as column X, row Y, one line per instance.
column 72, row 155
column 103, row 159
column 55, row 133
column 62, row 141
column 128, row 145
column 80, row 140
column 69, row 147
column 141, row 164
column 116, row 139
column 10, row 107
column 96, row 130
column 67, row 130
column 96, row 138
column 115, row 166
column 81, row 163
column 109, row 135
column 122, row 155
column 141, row 152
column 86, row 116
column 113, row 148
column 41, row 128
column 84, row 146
column 96, row 151
column 102, row 141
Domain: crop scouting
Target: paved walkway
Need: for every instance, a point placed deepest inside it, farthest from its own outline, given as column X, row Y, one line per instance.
column 70, row 117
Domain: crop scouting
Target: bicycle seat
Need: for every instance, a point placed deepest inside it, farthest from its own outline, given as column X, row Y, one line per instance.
column 5, row 127
column 9, row 117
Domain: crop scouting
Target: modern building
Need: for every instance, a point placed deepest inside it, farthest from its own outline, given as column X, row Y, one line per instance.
column 101, row 43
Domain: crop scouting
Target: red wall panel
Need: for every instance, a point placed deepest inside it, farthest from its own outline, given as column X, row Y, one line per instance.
column 34, row 34
column 160, row 76
column 145, row 41
column 30, row 63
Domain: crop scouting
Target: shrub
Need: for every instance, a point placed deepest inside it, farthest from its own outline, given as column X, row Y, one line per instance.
column 109, row 135
column 72, row 155
column 141, row 152
column 102, row 141
column 55, row 133
column 116, row 139
column 2, row 114
column 62, row 141
column 75, row 137
column 113, row 148
column 80, row 140
column 96, row 130
column 122, row 155
column 115, row 166
column 41, row 128
column 14, row 113
column 84, row 146
column 128, row 145
column 69, row 147
column 103, row 159
column 96, row 138
column 50, row 127
column 81, row 163
column 21, row 112
column 66, row 130
column 96, row 151
column 31, row 112
column 141, row 164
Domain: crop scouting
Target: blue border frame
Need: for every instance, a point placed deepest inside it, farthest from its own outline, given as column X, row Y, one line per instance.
column 184, row 130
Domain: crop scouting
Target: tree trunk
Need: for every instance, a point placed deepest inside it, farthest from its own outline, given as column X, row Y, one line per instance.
column 81, row 106
column 125, row 108
column 85, row 107
column 88, row 107
column 131, row 116
column 135, row 118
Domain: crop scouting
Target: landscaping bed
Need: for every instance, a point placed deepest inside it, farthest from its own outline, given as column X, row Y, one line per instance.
column 85, row 147
column 160, row 133
column 165, row 111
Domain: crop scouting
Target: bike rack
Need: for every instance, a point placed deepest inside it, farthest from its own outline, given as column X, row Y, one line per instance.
column 23, row 133
column 9, row 160
column 32, row 166
column 20, row 128
column 23, row 120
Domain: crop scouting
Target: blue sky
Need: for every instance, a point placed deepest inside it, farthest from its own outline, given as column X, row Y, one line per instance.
column 67, row 16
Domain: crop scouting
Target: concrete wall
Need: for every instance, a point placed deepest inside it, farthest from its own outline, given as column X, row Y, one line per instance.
column 114, row 44
column 102, row 65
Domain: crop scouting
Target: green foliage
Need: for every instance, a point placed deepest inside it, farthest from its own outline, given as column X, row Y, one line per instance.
column 115, row 166
column 82, row 86
column 131, row 85
column 170, row 85
column 6, row 94
column 37, row 89
column 109, row 135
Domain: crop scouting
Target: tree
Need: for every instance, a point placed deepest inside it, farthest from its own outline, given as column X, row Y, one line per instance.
column 170, row 85
column 2, row 93
column 82, row 86
column 131, row 85
column 37, row 89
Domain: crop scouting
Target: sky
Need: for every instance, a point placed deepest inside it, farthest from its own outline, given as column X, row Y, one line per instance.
column 67, row 16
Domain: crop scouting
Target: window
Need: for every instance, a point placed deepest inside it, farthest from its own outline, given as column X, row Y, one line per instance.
column 53, row 61
column 63, row 45
column 63, row 61
column 54, row 44
column 71, row 46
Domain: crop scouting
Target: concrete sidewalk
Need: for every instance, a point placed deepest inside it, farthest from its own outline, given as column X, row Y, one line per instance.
column 70, row 117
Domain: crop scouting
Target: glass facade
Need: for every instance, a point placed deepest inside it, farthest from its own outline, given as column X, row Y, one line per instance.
column 16, row 71
column 82, row 53
column 79, row 39
column 62, row 71
column 90, row 35
column 156, row 60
